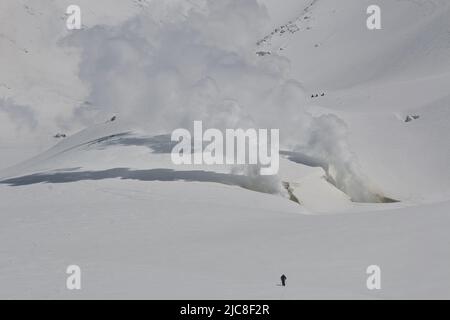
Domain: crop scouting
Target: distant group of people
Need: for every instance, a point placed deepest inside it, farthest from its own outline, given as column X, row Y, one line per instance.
column 317, row 95
column 412, row 117
column 63, row 135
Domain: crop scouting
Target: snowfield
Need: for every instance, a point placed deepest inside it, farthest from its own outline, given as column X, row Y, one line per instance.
column 364, row 179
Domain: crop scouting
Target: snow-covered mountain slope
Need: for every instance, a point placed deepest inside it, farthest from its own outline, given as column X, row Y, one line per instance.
column 330, row 37
column 374, row 80
column 117, row 150
column 362, row 115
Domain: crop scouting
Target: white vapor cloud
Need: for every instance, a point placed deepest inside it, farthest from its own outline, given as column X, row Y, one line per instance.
column 171, row 64
column 203, row 67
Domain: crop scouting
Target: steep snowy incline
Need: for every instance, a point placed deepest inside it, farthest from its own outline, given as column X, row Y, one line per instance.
column 119, row 150
column 40, row 87
column 331, row 38
column 375, row 81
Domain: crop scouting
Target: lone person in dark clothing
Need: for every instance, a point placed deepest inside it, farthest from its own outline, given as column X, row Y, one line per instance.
column 283, row 280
